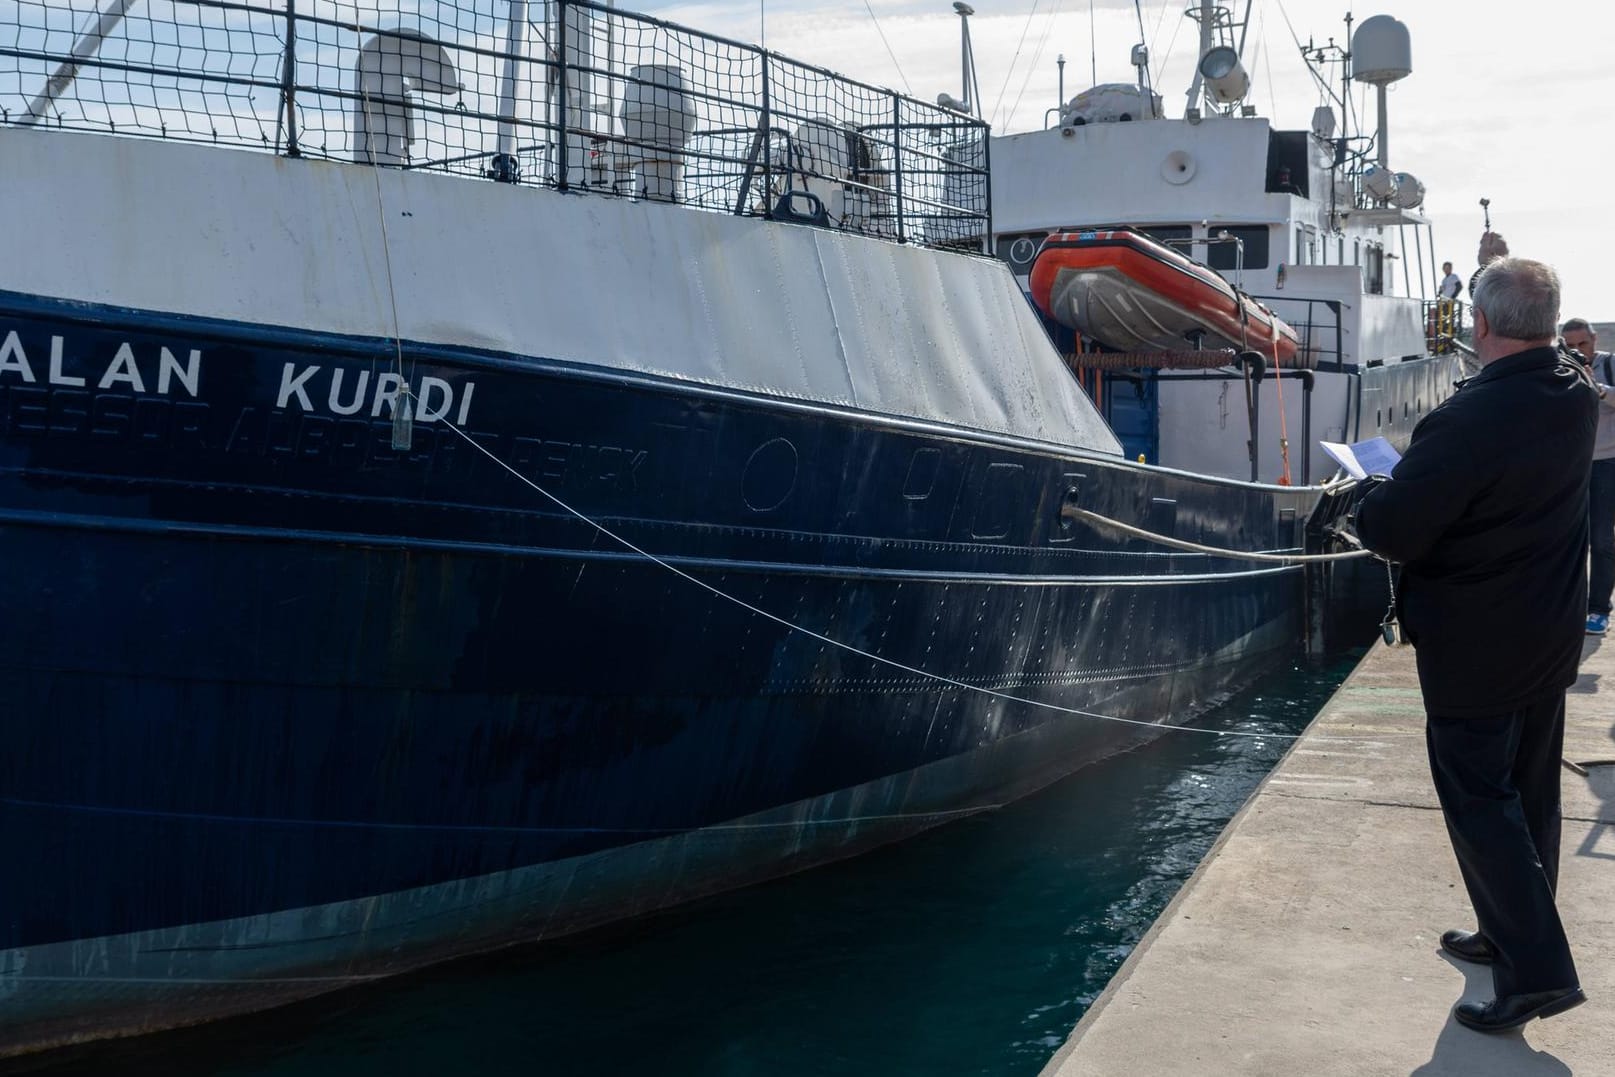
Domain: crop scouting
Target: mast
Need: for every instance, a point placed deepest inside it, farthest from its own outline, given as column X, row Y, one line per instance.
column 969, row 104
column 965, row 11
column 1205, row 18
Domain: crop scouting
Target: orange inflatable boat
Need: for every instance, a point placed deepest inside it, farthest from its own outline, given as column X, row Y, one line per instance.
column 1131, row 293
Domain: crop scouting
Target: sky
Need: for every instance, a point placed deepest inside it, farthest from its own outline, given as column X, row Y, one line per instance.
column 1506, row 101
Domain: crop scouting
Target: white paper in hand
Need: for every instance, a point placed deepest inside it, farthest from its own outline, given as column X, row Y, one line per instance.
column 1363, row 458
column 1377, row 456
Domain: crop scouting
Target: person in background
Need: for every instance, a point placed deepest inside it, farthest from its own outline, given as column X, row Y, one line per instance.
column 1578, row 334
column 1445, row 319
column 1451, row 284
column 1487, row 513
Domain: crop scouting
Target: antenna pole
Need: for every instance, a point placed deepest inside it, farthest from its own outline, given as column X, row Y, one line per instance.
column 967, row 62
column 1093, row 44
column 964, row 54
column 1384, row 128
column 1206, row 19
column 1060, row 62
column 1345, row 85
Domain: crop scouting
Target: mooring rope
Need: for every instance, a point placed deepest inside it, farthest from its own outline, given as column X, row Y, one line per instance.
column 1240, row 555
column 951, row 682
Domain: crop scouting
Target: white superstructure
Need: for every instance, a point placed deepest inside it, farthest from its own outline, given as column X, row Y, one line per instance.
column 1285, row 214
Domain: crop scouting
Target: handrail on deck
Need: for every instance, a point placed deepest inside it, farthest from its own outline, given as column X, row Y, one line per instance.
column 1444, row 325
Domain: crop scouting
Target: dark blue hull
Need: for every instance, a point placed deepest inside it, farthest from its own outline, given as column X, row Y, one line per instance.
column 283, row 707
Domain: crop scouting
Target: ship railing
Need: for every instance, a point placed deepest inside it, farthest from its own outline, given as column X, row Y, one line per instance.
column 1444, row 325
column 567, row 94
column 1318, row 324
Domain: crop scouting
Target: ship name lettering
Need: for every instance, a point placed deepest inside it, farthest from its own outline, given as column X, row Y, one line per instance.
column 119, row 417
column 568, row 463
column 318, row 388
column 121, row 371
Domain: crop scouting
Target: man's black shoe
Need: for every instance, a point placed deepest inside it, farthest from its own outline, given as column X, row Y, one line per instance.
column 1512, row 1011
column 1469, row 946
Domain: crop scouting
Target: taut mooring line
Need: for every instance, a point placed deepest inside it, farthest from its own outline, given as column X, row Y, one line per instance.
column 822, row 638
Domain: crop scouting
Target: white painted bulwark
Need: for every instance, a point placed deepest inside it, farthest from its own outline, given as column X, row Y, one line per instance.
column 1130, row 173
column 780, row 309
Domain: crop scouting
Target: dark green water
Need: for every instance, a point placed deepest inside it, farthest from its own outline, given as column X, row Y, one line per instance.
column 971, row 950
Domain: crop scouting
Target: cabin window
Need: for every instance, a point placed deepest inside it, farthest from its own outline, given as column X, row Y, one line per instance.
column 1356, row 252
column 1301, row 246
column 1287, row 155
column 1375, row 281
column 1225, row 255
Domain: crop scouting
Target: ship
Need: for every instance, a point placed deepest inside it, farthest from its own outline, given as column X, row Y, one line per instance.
column 478, row 475
column 1312, row 225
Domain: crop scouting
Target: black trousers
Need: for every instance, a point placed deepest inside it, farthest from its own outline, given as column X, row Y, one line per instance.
column 1498, row 782
column 1601, row 536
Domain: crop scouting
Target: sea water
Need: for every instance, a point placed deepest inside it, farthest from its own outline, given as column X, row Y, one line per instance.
column 970, row 950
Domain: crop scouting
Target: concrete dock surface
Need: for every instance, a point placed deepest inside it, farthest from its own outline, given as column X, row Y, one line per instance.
column 1307, row 941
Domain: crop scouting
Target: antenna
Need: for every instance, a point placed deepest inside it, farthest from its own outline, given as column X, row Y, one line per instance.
column 1093, row 44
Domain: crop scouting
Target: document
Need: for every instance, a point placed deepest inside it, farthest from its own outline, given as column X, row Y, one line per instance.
column 1363, row 458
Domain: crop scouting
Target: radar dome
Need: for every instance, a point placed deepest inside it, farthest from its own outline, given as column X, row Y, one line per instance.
column 1381, row 50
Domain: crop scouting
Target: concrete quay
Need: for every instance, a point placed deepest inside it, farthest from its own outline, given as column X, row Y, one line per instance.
column 1307, row 941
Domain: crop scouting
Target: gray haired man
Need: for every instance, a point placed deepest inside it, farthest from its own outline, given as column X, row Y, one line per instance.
column 1487, row 514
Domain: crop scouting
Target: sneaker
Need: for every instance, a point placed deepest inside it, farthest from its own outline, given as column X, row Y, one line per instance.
column 1597, row 624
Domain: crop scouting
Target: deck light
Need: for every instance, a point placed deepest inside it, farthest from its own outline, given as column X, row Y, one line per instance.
column 1225, row 76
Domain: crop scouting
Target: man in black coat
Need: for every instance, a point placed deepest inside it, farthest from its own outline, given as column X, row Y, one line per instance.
column 1487, row 513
